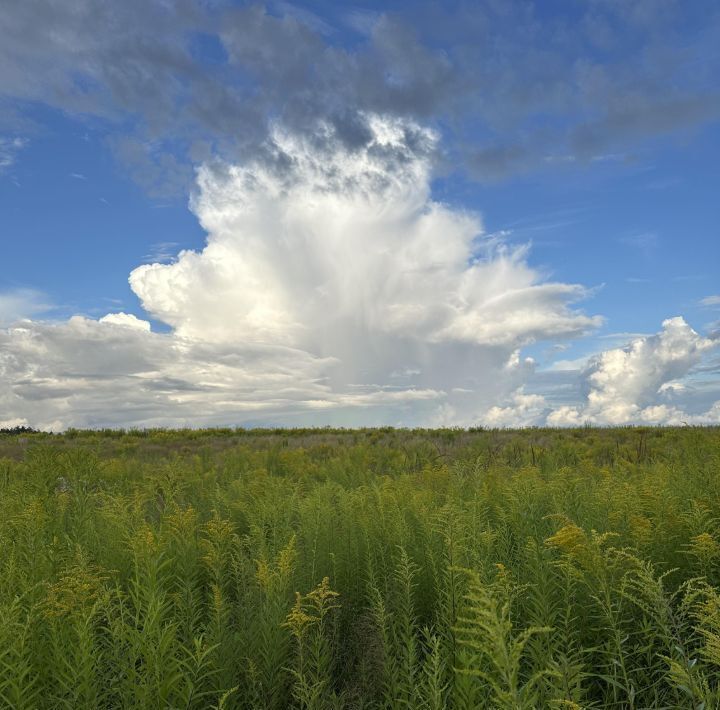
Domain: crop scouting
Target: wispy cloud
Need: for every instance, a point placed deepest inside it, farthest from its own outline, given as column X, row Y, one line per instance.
column 609, row 158
column 20, row 303
column 9, row 149
column 663, row 183
column 689, row 277
column 645, row 242
column 162, row 252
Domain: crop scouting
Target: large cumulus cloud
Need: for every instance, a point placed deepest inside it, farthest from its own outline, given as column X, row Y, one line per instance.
column 331, row 284
column 347, row 241
column 652, row 380
column 638, row 383
column 333, row 288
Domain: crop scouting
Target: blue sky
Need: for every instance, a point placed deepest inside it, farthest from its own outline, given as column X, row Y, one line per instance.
column 581, row 139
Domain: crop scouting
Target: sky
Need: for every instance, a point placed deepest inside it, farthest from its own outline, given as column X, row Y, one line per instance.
column 495, row 213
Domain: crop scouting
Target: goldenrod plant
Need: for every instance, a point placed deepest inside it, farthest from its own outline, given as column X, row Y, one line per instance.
column 361, row 569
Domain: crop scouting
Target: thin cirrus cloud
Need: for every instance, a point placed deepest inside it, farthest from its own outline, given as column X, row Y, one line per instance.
column 317, row 285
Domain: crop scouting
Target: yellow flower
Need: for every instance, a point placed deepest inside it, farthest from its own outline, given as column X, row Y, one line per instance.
column 263, row 574
column 77, row 590
column 570, row 539
column 144, row 542
column 311, row 608
column 574, row 542
column 219, row 530
column 268, row 577
column 182, row 521
column 219, row 536
column 640, row 528
column 705, row 547
column 298, row 619
column 322, row 597
column 286, row 559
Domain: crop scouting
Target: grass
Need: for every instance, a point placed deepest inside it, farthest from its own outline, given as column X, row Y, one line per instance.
column 381, row 568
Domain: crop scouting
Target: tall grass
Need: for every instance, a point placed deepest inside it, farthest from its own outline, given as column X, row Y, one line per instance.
column 360, row 569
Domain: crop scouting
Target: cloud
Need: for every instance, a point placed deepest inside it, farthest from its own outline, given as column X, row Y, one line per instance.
column 126, row 320
column 628, row 385
column 21, row 303
column 12, row 423
column 653, row 381
column 162, row 252
column 710, row 301
column 644, row 242
column 509, row 85
column 352, row 240
column 91, row 373
column 9, row 148
column 523, row 411
column 321, row 280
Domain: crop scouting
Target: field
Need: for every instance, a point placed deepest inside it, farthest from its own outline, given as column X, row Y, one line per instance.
column 360, row 569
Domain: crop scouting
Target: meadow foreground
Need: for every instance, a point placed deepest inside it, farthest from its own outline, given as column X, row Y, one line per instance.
column 360, row 569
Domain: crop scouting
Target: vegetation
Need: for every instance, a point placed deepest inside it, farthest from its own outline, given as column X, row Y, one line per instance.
column 381, row 568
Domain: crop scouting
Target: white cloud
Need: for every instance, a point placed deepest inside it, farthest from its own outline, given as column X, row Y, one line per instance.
column 21, row 303
column 523, row 410
column 126, row 320
column 334, row 289
column 645, row 242
column 627, row 385
column 648, row 381
column 577, row 363
column 12, row 423
column 9, row 148
column 90, row 373
column 350, row 243
column 710, row 301
column 323, row 277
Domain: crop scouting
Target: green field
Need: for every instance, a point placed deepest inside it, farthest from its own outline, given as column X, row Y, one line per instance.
column 360, row 569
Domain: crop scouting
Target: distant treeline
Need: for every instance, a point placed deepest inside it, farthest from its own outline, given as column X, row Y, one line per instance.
column 16, row 430
column 295, row 432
